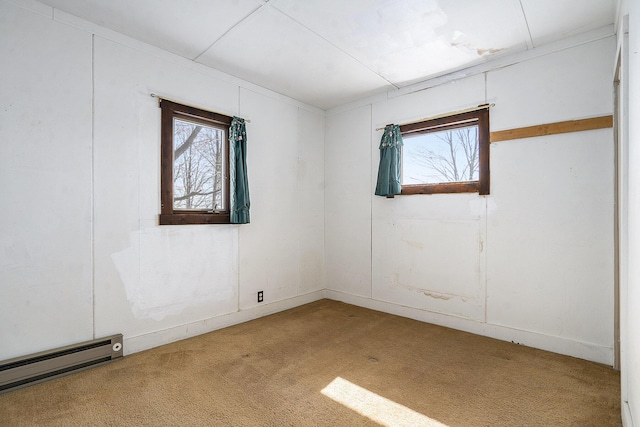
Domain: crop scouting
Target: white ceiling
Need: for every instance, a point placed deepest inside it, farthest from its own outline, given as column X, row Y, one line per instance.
column 331, row 52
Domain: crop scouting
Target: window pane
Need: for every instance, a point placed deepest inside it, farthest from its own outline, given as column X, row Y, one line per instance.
column 447, row 156
column 198, row 166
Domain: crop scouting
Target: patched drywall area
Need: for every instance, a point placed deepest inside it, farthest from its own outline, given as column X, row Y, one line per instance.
column 430, row 263
column 163, row 275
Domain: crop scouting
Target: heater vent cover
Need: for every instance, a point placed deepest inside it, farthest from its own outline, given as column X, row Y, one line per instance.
column 35, row 368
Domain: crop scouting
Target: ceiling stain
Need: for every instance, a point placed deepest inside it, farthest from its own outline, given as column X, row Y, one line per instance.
column 478, row 50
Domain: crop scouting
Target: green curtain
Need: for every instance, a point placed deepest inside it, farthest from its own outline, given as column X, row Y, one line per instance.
column 389, row 169
column 239, row 184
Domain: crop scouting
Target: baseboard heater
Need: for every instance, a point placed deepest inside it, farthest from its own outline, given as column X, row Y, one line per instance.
column 35, row 368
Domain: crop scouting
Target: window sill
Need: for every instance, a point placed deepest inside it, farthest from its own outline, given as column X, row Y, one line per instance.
column 189, row 218
column 444, row 188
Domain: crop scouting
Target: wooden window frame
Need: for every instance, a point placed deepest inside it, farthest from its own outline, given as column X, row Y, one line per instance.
column 169, row 215
column 478, row 117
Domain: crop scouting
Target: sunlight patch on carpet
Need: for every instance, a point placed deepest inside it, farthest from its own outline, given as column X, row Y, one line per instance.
column 375, row 407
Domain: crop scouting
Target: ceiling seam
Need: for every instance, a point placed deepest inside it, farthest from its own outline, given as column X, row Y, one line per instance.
column 529, row 38
column 233, row 27
column 336, row 47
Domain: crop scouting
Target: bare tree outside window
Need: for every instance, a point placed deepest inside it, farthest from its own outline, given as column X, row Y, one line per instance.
column 437, row 157
column 447, row 154
column 197, row 167
column 194, row 165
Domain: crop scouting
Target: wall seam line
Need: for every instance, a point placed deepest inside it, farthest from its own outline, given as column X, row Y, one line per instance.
column 485, row 245
column 371, row 151
column 238, row 227
column 93, row 188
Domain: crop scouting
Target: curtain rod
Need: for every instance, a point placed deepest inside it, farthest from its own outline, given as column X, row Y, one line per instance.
column 453, row 113
column 153, row 95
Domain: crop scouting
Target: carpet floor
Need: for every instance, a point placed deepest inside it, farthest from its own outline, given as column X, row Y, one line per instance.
column 328, row 364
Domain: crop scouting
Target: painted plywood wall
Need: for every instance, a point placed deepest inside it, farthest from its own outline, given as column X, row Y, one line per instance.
column 81, row 254
column 533, row 261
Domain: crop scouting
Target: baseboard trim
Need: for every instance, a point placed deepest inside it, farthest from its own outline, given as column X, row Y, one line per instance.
column 166, row 336
column 627, row 421
column 587, row 351
column 581, row 350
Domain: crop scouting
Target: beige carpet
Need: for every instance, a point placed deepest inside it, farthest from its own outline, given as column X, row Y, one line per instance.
column 328, row 364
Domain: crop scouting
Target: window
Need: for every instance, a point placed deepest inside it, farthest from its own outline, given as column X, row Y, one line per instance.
column 194, row 165
column 446, row 154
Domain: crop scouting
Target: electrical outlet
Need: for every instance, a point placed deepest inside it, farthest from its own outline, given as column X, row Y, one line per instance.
column 260, row 296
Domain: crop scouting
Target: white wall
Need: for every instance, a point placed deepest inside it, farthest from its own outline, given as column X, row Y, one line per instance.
column 533, row 261
column 348, row 202
column 629, row 194
column 45, row 219
column 553, row 201
column 81, row 253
